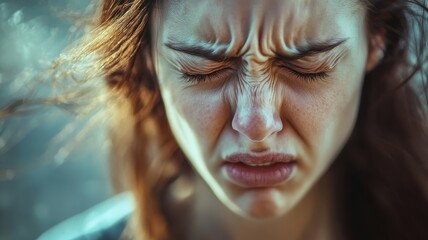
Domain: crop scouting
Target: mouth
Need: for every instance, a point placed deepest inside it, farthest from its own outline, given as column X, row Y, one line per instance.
column 259, row 170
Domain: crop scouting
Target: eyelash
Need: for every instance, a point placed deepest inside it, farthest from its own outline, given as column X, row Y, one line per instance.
column 310, row 77
column 199, row 78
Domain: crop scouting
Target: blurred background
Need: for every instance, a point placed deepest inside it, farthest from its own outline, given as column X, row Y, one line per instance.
column 50, row 171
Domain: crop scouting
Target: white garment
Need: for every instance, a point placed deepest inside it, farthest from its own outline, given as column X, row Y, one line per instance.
column 97, row 218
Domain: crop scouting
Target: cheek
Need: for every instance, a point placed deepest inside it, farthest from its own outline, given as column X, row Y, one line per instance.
column 324, row 118
column 205, row 113
column 196, row 116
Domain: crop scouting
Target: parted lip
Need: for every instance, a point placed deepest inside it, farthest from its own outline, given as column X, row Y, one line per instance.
column 253, row 158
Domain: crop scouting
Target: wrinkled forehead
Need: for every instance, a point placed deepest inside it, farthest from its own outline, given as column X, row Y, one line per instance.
column 238, row 23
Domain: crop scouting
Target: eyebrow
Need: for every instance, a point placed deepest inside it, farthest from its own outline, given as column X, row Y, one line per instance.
column 211, row 54
column 199, row 51
column 313, row 49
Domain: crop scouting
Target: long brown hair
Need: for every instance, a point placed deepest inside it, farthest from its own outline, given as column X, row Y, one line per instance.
column 385, row 159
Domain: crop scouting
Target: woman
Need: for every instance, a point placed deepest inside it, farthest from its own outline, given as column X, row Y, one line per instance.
column 297, row 118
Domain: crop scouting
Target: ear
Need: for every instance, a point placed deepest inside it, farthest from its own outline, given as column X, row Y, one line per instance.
column 376, row 50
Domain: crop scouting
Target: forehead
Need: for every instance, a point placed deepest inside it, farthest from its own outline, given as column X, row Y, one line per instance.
column 261, row 22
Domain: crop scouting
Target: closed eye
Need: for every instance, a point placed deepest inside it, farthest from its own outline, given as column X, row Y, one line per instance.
column 199, row 78
column 310, row 77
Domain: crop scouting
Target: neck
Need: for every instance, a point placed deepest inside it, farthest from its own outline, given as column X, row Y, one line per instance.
column 314, row 218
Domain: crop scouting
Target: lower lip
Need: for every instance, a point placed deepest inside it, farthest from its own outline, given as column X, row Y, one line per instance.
column 259, row 176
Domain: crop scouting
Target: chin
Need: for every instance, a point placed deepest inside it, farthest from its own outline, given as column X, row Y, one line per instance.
column 261, row 204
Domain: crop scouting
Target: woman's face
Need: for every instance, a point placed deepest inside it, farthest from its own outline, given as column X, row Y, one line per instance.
column 260, row 95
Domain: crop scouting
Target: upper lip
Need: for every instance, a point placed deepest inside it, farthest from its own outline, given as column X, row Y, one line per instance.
column 259, row 158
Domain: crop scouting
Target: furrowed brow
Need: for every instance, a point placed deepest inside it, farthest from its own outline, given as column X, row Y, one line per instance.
column 199, row 51
column 211, row 54
column 313, row 49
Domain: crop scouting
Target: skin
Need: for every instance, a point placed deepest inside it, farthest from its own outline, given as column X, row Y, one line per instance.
column 253, row 102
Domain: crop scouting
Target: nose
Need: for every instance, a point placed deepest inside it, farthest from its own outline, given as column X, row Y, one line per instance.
column 256, row 122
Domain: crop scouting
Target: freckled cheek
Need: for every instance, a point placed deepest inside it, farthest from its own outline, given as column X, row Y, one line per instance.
column 308, row 114
column 205, row 113
column 202, row 112
column 324, row 116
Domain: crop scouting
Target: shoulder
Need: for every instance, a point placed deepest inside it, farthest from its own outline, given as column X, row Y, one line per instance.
column 106, row 220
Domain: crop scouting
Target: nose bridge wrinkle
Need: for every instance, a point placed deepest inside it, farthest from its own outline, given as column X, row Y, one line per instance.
column 255, row 107
column 255, row 93
column 257, row 77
